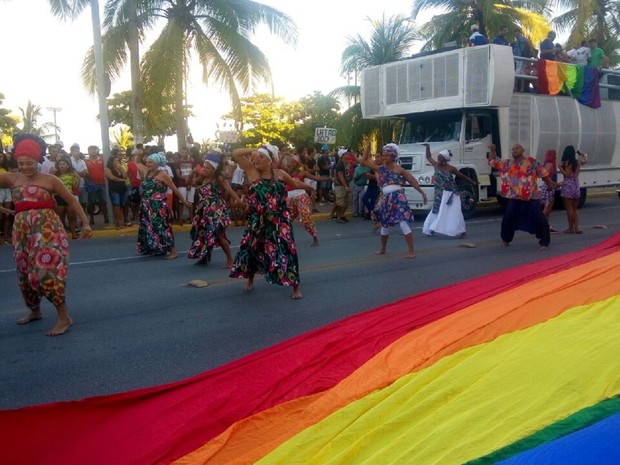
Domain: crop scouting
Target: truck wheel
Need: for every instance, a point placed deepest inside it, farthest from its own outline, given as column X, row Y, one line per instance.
column 468, row 203
column 582, row 198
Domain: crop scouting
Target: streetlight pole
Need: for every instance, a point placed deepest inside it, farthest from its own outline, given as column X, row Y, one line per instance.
column 55, row 110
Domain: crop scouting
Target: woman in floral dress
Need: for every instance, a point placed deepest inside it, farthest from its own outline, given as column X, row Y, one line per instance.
column 571, row 163
column 155, row 236
column 211, row 216
column 267, row 246
column 394, row 208
column 39, row 238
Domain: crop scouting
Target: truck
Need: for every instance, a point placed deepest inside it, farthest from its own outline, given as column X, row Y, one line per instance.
column 463, row 100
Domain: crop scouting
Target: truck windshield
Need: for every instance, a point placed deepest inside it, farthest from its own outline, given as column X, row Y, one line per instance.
column 422, row 128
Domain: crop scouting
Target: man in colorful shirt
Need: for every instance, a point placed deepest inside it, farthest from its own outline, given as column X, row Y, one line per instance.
column 519, row 177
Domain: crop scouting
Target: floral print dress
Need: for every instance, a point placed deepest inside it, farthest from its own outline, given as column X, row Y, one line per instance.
column 394, row 206
column 155, row 236
column 211, row 219
column 268, row 246
column 41, row 249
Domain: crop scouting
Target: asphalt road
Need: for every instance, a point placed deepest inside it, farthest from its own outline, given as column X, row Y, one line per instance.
column 138, row 323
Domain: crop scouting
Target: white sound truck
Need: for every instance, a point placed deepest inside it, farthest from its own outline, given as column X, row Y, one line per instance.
column 463, row 100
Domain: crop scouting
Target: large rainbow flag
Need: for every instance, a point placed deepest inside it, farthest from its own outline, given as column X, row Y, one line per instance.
column 582, row 82
column 518, row 367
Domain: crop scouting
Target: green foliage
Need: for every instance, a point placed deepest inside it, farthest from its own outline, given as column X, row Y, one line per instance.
column 272, row 120
column 8, row 124
column 456, row 18
column 265, row 120
column 311, row 112
column 158, row 122
column 217, row 33
column 121, row 136
column 31, row 121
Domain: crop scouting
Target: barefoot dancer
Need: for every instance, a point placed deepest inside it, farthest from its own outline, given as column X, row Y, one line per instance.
column 39, row 238
column 155, row 236
column 299, row 201
column 395, row 207
column 267, row 246
column 211, row 216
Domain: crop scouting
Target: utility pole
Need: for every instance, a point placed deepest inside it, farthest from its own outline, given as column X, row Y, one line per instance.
column 55, row 110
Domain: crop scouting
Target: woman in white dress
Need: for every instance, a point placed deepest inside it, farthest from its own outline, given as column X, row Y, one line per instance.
column 446, row 216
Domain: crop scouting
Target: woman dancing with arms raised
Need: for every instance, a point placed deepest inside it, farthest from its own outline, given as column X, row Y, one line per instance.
column 394, row 209
column 267, row 246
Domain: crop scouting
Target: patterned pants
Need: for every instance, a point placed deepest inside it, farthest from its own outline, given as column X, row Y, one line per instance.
column 301, row 208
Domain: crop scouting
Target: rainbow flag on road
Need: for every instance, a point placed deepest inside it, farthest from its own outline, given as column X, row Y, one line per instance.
column 582, row 82
column 519, row 367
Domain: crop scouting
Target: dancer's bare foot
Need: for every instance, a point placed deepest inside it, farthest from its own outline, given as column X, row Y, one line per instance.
column 33, row 315
column 409, row 255
column 228, row 265
column 296, row 293
column 62, row 326
column 315, row 242
column 249, row 285
column 379, row 252
column 171, row 256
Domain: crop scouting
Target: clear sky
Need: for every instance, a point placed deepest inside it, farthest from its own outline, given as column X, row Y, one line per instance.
column 42, row 58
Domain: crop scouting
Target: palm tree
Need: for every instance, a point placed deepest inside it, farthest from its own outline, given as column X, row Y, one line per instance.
column 71, row 9
column 586, row 19
column 31, row 117
column 217, row 32
column 457, row 16
column 122, row 136
column 390, row 39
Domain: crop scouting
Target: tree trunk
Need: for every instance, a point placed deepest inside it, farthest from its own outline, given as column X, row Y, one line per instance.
column 136, row 87
column 179, row 103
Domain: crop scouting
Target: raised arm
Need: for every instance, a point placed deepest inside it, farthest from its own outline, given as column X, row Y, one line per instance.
column 240, row 156
column 429, row 157
column 367, row 161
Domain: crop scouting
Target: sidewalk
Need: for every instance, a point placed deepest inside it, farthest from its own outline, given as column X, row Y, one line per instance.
column 109, row 230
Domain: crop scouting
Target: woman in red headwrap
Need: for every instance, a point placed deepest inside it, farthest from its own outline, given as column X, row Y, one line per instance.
column 39, row 238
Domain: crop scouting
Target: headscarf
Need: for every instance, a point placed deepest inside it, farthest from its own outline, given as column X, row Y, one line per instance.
column 212, row 159
column 392, row 149
column 29, row 145
column 446, row 154
column 158, row 158
column 270, row 150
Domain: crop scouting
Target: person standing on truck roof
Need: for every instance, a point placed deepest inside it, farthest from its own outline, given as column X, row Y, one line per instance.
column 500, row 38
column 521, row 47
column 519, row 177
column 597, row 59
column 446, row 216
column 476, row 38
column 547, row 47
column 394, row 210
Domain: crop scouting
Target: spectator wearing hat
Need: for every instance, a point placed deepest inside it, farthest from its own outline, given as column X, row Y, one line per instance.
column 476, row 38
column 446, row 216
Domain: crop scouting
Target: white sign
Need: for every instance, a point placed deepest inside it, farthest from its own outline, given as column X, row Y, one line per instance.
column 227, row 137
column 325, row 135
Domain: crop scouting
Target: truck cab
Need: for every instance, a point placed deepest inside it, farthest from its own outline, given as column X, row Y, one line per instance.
column 463, row 100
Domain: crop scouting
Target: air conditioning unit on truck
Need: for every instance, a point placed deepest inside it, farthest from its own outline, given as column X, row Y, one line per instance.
column 463, row 100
